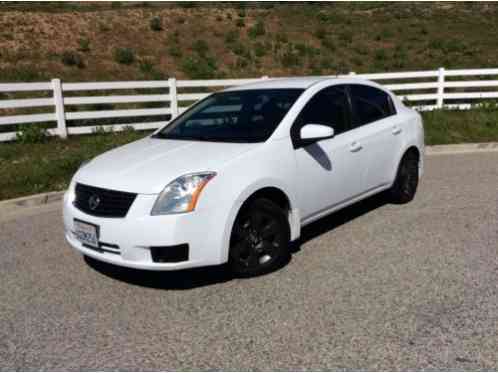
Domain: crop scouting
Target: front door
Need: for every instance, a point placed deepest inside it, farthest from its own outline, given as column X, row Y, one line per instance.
column 329, row 171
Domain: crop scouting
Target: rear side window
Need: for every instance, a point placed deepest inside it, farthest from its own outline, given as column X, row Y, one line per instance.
column 369, row 104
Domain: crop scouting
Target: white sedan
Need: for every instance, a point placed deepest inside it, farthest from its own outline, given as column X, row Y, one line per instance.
column 236, row 177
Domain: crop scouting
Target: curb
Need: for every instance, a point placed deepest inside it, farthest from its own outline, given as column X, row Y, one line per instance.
column 461, row 148
column 31, row 201
column 51, row 197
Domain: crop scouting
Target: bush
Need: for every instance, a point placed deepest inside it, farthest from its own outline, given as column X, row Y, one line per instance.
column 281, row 38
column 124, row 56
column 71, row 58
column 290, row 58
column 174, row 50
column 259, row 49
column 320, row 33
column 329, row 44
column 146, row 66
column 201, row 47
column 84, row 45
column 199, row 68
column 346, row 37
column 32, row 134
column 231, row 36
column 155, row 24
column 380, row 55
column 240, row 23
column 257, row 30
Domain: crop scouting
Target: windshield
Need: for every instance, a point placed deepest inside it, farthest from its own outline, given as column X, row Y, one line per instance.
column 233, row 116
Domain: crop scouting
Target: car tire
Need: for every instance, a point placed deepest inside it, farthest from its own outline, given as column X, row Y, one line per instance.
column 260, row 239
column 405, row 185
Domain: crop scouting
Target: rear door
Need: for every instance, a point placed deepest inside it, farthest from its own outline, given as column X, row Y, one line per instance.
column 378, row 131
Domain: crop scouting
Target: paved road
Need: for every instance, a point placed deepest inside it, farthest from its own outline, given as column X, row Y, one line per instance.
column 375, row 287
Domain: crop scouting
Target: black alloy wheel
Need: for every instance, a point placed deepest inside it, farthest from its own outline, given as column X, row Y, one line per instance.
column 260, row 239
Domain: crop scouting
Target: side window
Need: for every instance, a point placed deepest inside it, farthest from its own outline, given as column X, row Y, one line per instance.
column 328, row 107
column 369, row 104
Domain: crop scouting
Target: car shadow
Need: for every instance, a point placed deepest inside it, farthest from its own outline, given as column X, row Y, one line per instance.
column 199, row 277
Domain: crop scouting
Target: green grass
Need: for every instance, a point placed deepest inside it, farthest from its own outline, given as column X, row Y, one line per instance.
column 35, row 168
column 452, row 127
column 48, row 166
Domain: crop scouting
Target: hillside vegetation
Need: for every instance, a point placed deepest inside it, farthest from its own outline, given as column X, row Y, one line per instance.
column 90, row 41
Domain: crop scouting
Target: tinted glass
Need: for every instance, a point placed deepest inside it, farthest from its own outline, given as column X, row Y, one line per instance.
column 369, row 104
column 238, row 116
column 328, row 107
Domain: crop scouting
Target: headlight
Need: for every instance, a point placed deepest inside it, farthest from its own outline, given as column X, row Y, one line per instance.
column 181, row 195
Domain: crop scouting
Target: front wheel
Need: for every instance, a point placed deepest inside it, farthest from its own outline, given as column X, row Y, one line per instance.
column 260, row 239
column 406, row 182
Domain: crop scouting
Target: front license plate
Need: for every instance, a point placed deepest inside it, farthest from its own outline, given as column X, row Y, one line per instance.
column 86, row 233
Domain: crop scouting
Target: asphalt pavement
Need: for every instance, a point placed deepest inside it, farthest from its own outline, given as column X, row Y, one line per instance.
column 374, row 287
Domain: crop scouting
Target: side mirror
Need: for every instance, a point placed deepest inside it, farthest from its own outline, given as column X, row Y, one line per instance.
column 311, row 133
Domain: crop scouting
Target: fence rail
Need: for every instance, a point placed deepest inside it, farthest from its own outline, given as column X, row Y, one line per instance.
column 435, row 91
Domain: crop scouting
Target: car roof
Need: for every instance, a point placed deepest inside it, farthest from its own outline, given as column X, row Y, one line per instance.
column 299, row 83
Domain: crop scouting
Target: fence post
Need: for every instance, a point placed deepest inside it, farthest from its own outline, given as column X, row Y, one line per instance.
column 173, row 97
column 60, row 115
column 440, row 88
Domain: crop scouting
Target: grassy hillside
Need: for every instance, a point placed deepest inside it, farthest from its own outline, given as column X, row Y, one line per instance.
column 89, row 41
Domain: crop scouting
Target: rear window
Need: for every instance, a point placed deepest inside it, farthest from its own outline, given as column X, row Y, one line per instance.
column 370, row 104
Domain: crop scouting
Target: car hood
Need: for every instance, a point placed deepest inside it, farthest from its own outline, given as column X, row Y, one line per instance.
column 146, row 166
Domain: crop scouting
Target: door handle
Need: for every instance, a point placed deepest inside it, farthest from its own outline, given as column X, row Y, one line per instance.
column 355, row 146
column 396, row 130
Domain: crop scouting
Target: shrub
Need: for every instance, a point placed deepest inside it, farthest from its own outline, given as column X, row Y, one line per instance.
column 146, row 66
column 329, row 44
column 346, row 37
column 320, row 33
column 199, row 68
column 231, row 36
column 71, row 58
column 32, row 134
column 84, row 45
column 290, row 58
column 155, row 24
column 238, row 48
column 124, row 56
column 201, row 47
column 260, row 49
column 174, row 50
column 240, row 23
column 380, row 55
column 257, row 30
column 302, row 49
column 281, row 38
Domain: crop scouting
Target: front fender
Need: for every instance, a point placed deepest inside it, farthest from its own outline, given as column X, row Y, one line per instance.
column 245, row 194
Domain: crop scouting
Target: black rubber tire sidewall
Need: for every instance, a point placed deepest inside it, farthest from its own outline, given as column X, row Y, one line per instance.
column 396, row 193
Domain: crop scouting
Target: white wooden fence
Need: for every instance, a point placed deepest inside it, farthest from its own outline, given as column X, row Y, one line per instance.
column 425, row 90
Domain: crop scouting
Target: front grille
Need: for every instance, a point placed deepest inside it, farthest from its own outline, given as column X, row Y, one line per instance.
column 103, row 202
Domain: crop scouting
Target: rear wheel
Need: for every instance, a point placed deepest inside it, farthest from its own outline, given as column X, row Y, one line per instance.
column 260, row 239
column 405, row 185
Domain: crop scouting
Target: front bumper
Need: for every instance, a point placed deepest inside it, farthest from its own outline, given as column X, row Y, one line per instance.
column 127, row 241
